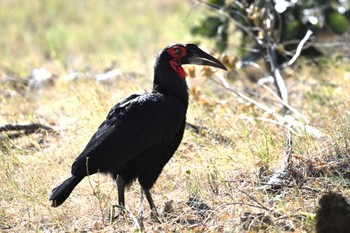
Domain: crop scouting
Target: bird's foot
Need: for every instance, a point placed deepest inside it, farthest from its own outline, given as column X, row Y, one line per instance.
column 155, row 216
column 113, row 216
column 120, row 214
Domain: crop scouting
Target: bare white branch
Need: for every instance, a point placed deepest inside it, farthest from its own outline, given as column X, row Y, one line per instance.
column 285, row 104
column 299, row 49
column 285, row 121
column 281, row 85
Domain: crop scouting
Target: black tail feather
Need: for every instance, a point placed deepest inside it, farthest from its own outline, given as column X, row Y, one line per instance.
column 62, row 191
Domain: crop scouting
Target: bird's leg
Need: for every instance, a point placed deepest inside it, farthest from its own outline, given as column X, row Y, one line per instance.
column 121, row 197
column 121, row 188
column 154, row 213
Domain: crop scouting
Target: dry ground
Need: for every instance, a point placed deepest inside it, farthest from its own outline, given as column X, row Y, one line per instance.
column 222, row 173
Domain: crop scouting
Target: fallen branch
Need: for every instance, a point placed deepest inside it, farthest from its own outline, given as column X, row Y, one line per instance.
column 204, row 131
column 28, row 128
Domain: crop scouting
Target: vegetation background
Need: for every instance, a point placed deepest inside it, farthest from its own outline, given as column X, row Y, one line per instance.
column 224, row 167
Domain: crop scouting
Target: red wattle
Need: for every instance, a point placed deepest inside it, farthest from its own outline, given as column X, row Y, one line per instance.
column 178, row 69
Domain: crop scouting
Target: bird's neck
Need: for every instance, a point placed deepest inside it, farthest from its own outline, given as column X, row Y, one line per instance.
column 176, row 88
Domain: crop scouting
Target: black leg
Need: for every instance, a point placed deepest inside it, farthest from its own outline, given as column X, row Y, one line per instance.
column 121, row 199
column 154, row 213
column 121, row 188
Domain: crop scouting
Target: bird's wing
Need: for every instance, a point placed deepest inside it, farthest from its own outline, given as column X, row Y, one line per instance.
column 107, row 126
column 131, row 126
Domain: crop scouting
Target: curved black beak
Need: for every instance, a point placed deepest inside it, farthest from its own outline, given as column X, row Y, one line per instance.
column 195, row 55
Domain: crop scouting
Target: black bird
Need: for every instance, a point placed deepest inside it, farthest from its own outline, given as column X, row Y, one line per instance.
column 142, row 132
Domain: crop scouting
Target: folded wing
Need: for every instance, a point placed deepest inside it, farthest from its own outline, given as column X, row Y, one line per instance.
column 133, row 125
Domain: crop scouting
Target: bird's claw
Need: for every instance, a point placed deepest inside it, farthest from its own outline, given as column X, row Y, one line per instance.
column 155, row 216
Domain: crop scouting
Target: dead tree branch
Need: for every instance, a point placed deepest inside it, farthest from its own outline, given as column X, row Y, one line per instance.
column 299, row 49
column 300, row 123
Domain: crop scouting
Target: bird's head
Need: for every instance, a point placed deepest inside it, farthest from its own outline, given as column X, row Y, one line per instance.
column 180, row 54
column 169, row 75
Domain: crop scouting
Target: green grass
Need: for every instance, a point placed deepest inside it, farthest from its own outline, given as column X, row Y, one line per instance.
column 89, row 35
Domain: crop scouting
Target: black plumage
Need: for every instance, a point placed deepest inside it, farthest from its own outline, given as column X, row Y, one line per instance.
column 142, row 132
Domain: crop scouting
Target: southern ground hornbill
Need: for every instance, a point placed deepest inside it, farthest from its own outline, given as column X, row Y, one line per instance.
column 142, row 132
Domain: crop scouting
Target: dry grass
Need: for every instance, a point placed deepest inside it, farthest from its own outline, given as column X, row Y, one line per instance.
column 222, row 174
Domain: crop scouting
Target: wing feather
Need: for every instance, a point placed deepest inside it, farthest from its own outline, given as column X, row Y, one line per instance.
column 138, row 122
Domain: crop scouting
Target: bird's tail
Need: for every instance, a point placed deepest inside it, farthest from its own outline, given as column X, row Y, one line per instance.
column 62, row 191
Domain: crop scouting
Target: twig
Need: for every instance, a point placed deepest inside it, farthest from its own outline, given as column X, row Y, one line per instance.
column 208, row 133
column 293, row 186
column 227, row 86
column 289, row 123
column 283, row 119
column 292, row 109
column 299, row 49
column 256, row 201
column 275, row 122
column 269, row 48
column 140, row 220
column 256, row 66
column 281, row 86
column 332, row 44
column 289, row 148
column 259, row 68
column 28, row 128
column 275, row 71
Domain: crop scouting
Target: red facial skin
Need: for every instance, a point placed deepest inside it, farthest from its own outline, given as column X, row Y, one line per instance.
column 177, row 52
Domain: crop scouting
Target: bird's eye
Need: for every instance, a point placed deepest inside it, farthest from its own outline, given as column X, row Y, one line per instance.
column 177, row 51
